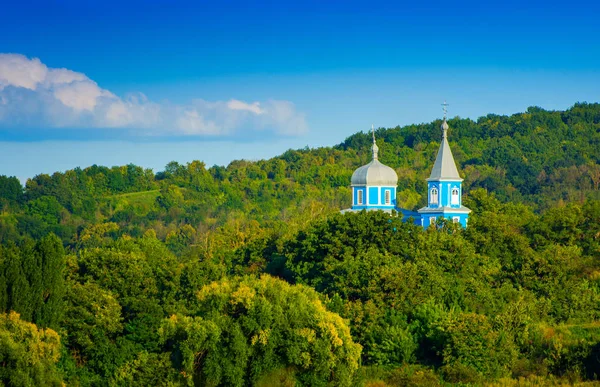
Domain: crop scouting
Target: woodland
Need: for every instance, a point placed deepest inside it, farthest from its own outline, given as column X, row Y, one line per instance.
column 248, row 275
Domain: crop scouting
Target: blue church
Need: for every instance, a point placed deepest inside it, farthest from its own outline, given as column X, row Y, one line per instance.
column 374, row 189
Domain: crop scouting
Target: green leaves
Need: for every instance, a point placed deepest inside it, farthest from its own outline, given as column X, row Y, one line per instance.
column 466, row 304
column 470, row 341
column 251, row 327
column 340, row 253
column 28, row 355
column 33, row 276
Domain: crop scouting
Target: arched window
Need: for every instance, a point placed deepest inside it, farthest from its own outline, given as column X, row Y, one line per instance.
column 432, row 221
column 360, row 196
column 454, row 197
column 434, row 196
column 388, row 198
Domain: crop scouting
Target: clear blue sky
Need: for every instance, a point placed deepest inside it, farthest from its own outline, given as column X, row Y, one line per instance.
column 151, row 82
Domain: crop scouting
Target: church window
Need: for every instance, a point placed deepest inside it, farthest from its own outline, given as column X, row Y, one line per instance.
column 432, row 221
column 454, row 197
column 387, row 197
column 360, row 196
column 434, row 196
column 456, row 219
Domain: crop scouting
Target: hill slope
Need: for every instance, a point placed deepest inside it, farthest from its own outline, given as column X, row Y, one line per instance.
column 540, row 158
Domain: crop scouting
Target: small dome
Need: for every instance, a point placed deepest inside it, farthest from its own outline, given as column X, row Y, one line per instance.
column 445, row 125
column 375, row 173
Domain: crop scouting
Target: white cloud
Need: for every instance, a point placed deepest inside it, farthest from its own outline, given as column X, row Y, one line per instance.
column 35, row 96
column 58, row 76
column 80, row 95
column 18, row 71
column 234, row 104
column 192, row 122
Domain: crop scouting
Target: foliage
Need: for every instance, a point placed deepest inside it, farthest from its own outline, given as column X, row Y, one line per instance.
column 28, row 355
column 32, row 280
column 251, row 327
column 470, row 342
column 162, row 278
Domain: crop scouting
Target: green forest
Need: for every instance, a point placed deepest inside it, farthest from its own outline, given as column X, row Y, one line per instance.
column 248, row 275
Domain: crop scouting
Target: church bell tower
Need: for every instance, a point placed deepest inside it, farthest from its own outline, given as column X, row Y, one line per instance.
column 444, row 187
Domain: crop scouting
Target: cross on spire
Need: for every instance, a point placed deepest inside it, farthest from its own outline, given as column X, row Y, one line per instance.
column 374, row 148
column 373, row 130
column 445, row 109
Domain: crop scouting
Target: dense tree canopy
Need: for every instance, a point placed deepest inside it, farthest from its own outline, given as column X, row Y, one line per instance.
column 246, row 328
column 28, row 355
column 249, row 275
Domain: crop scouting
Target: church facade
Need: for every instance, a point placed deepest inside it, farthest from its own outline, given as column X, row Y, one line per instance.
column 374, row 187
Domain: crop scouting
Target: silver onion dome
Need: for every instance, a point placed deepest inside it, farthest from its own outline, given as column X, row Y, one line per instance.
column 375, row 173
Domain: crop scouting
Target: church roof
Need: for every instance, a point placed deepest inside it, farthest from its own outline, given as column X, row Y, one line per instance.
column 444, row 167
column 375, row 173
column 461, row 209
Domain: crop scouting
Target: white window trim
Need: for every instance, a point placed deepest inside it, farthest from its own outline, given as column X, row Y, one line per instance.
column 456, row 219
column 457, row 196
column 437, row 196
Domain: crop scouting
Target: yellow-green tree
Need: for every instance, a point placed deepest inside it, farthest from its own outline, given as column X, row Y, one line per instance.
column 246, row 328
column 28, row 355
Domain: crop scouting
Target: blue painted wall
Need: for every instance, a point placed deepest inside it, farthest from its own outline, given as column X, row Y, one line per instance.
column 373, row 195
column 376, row 198
column 444, row 193
column 444, row 203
